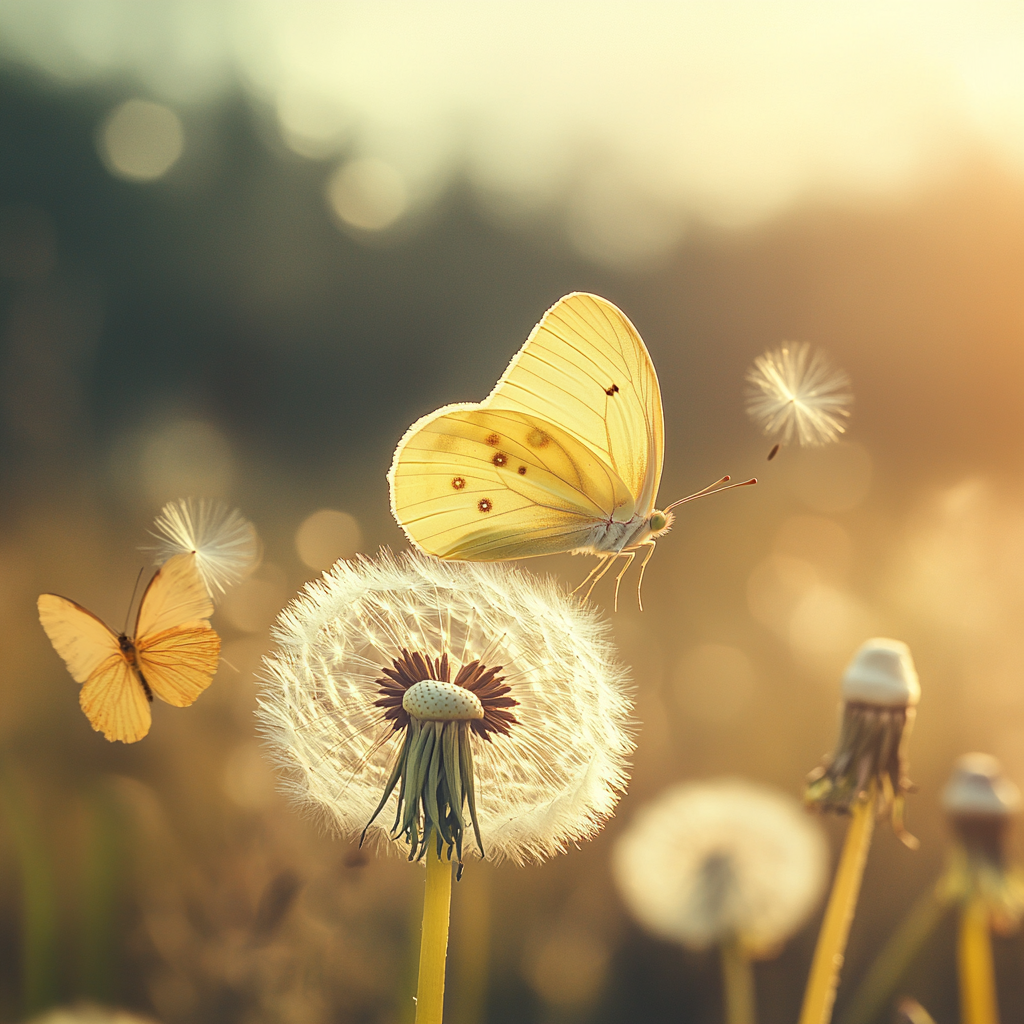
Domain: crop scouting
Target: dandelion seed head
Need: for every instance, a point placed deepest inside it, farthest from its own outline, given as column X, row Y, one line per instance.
column 550, row 780
column 706, row 861
column 226, row 544
column 794, row 392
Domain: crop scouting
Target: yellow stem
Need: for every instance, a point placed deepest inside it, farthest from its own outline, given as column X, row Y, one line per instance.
column 897, row 955
column 835, row 928
column 437, row 900
column 977, row 975
column 738, row 983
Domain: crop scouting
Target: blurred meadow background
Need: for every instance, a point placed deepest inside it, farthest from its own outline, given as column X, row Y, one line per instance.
column 244, row 245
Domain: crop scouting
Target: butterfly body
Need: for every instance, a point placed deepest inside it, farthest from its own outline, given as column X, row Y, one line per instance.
column 173, row 654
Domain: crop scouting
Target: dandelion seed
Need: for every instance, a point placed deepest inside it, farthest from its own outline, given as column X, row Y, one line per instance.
column 420, row 700
column 226, row 544
column 708, row 861
column 795, row 392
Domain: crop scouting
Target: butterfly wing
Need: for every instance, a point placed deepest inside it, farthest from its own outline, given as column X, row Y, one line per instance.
column 81, row 639
column 176, row 597
column 115, row 703
column 177, row 651
column 490, row 484
column 586, row 369
column 112, row 698
column 179, row 664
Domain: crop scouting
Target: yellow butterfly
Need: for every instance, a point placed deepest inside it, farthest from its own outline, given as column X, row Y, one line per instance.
column 173, row 654
column 565, row 454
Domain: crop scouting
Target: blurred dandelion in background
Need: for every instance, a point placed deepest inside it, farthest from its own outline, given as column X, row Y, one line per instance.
column 225, row 543
column 980, row 876
column 796, row 393
column 548, row 754
column 707, row 861
column 724, row 863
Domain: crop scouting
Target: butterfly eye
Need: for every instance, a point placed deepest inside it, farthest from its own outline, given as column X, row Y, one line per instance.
column 658, row 521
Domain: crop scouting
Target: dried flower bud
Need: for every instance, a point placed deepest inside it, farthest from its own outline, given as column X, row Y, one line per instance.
column 880, row 693
column 980, row 802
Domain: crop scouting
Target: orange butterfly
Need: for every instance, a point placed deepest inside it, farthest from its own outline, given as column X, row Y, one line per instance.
column 174, row 652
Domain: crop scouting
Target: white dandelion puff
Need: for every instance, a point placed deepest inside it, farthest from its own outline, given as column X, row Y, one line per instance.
column 709, row 862
column 408, row 697
column 225, row 543
column 795, row 392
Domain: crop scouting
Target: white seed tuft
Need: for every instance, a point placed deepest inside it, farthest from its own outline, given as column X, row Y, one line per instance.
column 882, row 672
column 225, row 543
column 795, row 393
column 978, row 786
column 434, row 701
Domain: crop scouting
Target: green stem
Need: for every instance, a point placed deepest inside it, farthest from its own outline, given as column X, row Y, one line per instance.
column 897, row 955
column 737, row 983
column 38, row 900
column 434, row 937
column 978, row 1004
column 99, row 897
column 820, row 993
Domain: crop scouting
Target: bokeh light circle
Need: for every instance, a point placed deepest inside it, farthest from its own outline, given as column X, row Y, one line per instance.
column 367, row 194
column 326, row 536
column 141, row 141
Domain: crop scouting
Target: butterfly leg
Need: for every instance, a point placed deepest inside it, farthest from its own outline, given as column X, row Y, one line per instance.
column 595, row 575
column 650, row 545
column 630, row 555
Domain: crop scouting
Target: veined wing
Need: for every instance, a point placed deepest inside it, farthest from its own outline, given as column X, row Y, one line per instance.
column 585, row 368
column 81, row 639
column 115, row 703
column 179, row 664
column 490, row 484
column 176, row 596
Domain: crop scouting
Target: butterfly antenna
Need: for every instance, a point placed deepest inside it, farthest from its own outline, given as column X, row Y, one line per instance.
column 715, row 488
column 135, row 590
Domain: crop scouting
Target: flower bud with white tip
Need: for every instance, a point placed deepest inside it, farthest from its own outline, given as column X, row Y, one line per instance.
column 880, row 692
column 980, row 804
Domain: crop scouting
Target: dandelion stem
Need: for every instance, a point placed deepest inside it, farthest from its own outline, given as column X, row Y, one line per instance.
column 437, row 900
column 835, row 928
column 897, row 955
column 977, row 975
column 737, row 983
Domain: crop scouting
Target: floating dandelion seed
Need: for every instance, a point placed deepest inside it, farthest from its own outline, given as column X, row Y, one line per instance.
column 226, row 545
column 409, row 697
column 794, row 391
column 709, row 861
